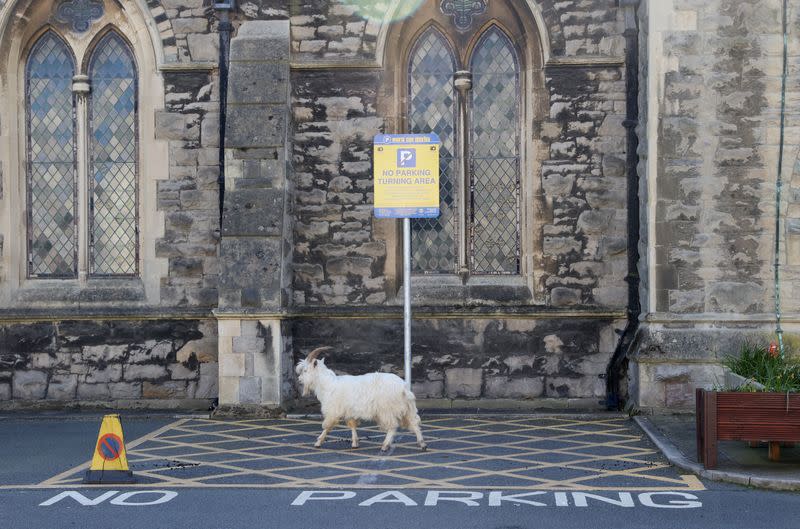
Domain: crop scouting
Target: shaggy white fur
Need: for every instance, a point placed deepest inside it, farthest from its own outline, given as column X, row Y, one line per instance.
column 379, row 397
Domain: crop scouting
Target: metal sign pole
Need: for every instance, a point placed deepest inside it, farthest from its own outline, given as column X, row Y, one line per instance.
column 407, row 297
column 406, row 176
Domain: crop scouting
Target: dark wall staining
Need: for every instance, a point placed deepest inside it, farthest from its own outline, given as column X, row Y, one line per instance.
column 453, row 358
column 105, row 361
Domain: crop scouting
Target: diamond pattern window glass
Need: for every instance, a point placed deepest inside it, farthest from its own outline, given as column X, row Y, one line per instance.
column 431, row 108
column 113, row 150
column 51, row 168
column 495, row 161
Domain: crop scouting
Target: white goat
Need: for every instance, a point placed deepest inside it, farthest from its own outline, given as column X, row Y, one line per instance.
column 379, row 397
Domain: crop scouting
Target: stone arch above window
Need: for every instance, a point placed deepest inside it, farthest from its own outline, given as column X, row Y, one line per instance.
column 545, row 23
column 151, row 12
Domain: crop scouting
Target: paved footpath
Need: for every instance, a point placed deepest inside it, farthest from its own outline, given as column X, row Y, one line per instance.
column 488, row 472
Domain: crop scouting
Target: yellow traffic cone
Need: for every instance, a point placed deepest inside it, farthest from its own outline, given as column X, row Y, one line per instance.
column 109, row 461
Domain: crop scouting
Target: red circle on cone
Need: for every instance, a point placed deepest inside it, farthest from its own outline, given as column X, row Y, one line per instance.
column 109, row 447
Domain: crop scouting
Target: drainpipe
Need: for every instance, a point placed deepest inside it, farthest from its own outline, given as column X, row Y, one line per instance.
column 223, row 10
column 615, row 371
column 779, row 181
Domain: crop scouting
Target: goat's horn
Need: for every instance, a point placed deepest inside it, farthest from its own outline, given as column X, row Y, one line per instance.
column 315, row 353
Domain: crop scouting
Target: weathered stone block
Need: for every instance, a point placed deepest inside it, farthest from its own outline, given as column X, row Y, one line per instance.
column 144, row 372
column 185, row 267
column 253, row 212
column 250, row 263
column 175, row 126
column 511, row 388
column 111, row 373
column 615, row 297
column 209, row 130
column 181, row 372
column 171, row 389
column 565, row 297
column 125, row 390
column 151, row 352
column 29, row 385
column 595, row 221
column 190, row 25
column 203, row 47
column 254, row 82
column 360, row 266
column 262, row 40
column 50, row 361
column 428, row 388
column 207, row 384
column 584, row 387
column 232, row 365
column 62, row 387
column 251, row 126
column 5, row 391
column 250, row 390
column 728, row 296
column 104, row 353
column 463, row 382
column 90, row 392
column 561, row 245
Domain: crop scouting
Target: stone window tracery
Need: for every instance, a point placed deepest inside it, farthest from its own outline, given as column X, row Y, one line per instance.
column 463, row 11
column 79, row 14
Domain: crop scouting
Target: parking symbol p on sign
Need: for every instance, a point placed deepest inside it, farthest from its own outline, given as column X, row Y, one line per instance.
column 407, row 158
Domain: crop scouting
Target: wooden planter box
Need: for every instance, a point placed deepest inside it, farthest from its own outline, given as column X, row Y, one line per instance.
column 738, row 416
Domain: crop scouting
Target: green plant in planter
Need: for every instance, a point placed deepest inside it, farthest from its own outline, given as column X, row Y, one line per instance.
column 760, row 362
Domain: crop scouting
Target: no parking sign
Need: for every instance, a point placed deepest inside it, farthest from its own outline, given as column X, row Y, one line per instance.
column 406, row 176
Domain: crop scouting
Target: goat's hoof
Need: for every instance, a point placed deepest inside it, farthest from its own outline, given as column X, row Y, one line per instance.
column 423, row 447
column 354, row 446
column 317, row 445
column 384, row 450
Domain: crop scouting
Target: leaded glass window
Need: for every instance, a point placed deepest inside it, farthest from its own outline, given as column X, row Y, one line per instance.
column 431, row 108
column 52, row 235
column 494, row 158
column 82, row 159
column 113, row 159
column 482, row 197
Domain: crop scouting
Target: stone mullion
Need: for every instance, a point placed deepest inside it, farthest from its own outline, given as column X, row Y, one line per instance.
column 81, row 88
column 463, row 84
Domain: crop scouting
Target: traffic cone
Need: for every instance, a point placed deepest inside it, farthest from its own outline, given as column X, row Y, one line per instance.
column 109, row 461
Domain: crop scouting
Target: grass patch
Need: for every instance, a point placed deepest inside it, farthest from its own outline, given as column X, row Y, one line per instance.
column 755, row 361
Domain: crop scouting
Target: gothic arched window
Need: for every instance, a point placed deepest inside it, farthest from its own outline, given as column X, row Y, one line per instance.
column 82, row 160
column 474, row 106
column 113, row 150
column 52, row 191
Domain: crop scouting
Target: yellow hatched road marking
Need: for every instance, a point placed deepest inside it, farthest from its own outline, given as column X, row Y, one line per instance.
column 474, row 440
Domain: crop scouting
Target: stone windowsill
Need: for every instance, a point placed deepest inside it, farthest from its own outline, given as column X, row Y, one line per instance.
column 438, row 290
column 70, row 291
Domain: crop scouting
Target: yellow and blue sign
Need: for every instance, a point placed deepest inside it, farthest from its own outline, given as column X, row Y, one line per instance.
column 406, row 176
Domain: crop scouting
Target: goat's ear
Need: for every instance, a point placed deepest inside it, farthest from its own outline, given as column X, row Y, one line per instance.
column 316, row 362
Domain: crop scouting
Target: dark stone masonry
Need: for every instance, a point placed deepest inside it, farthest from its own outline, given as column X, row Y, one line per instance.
column 255, row 236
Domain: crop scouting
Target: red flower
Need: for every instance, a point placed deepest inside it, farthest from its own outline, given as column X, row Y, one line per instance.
column 773, row 350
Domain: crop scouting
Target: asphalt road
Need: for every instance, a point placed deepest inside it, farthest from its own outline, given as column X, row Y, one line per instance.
column 34, row 450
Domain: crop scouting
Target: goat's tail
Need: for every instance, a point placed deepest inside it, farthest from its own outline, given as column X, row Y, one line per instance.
column 410, row 413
